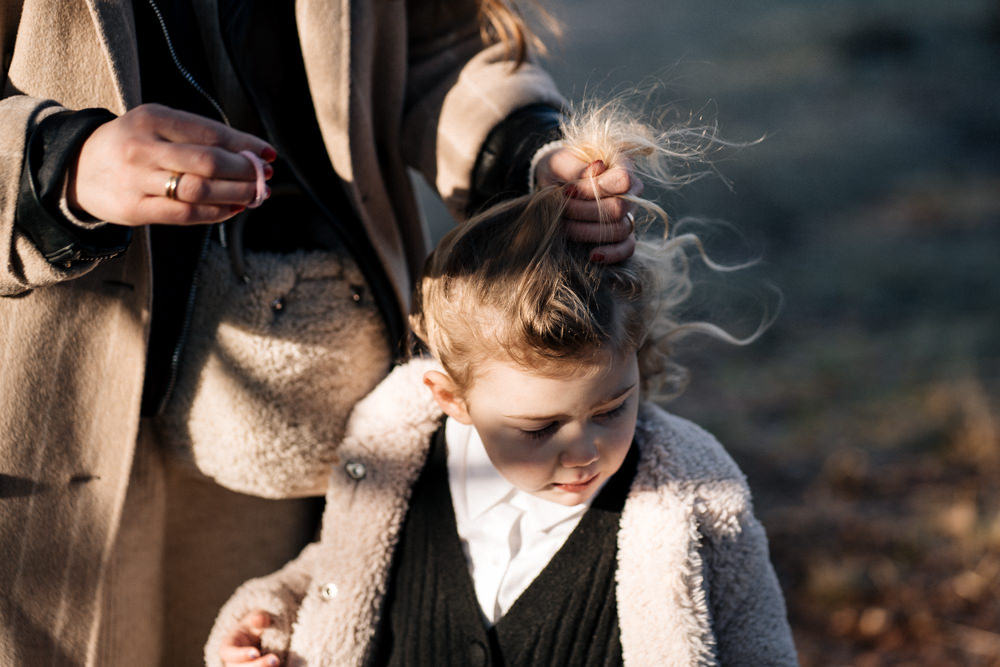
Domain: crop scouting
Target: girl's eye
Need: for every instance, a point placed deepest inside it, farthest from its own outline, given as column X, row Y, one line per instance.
column 612, row 413
column 539, row 434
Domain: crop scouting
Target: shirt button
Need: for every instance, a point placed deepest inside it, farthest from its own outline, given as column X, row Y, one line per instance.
column 328, row 591
column 355, row 470
column 477, row 654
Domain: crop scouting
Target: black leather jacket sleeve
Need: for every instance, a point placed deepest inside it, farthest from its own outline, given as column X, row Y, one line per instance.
column 52, row 144
column 501, row 169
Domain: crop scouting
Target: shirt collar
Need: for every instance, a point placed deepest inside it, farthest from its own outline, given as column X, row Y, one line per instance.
column 485, row 488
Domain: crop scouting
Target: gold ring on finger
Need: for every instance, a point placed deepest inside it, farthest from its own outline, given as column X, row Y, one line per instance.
column 171, row 188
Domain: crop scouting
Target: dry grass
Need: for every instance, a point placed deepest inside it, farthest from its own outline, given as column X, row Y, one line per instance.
column 880, row 497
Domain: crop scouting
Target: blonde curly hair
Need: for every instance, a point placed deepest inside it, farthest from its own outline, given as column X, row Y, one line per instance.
column 509, row 283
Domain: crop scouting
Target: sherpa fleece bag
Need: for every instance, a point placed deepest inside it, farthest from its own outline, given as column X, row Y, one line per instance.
column 272, row 369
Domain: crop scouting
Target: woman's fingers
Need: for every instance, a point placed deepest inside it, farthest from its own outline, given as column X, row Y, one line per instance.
column 614, row 253
column 599, row 232
column 190, row 188
column 204, row 161
column 189, row 166
column 615, row 241
column 605, row 184
column 593, row 180
column 608, row 219
column 182, row 127
column 597, row 210
column 596, row 213
column 168, row 212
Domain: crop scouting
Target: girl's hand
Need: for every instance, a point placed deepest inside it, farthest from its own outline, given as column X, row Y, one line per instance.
column 242, row 645
column 595, row 213
column 124, row 171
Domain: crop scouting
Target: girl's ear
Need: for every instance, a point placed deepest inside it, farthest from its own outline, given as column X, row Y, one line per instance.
column 445, row 392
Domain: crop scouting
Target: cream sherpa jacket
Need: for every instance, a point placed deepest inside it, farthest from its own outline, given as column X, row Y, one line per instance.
column 695, row 586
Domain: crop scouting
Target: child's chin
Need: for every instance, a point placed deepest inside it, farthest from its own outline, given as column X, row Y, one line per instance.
column 568, row 497
column 575, row 500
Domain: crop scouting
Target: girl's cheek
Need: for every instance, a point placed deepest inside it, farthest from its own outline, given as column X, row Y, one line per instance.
column 528, row 468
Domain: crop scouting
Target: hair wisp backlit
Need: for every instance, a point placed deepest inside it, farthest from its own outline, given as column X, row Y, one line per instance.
column 503, row 21
column 665, row 155
column 509, row 284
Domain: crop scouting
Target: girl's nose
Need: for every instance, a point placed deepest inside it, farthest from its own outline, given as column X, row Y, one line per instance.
column 580, row 454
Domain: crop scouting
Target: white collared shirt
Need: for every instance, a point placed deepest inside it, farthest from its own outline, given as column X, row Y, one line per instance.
column 508, row 536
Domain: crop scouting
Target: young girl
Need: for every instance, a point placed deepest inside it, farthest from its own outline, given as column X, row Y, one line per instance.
column 526, row 507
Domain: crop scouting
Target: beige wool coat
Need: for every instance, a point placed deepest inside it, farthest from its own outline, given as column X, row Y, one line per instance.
column 694, row 582
column 392, row 86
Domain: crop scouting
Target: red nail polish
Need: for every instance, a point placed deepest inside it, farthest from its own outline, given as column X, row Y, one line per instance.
column 269, row 154
column 268, row 171
column 237, row 208
column 594, row 169
column 597, row 257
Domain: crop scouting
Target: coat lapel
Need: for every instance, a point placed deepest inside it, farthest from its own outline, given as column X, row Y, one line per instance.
column 327, row 57
column 339, row 40
column 115, row 28
column 662, row 609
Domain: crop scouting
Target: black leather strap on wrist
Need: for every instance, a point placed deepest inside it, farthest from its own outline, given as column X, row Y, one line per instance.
column 501, row 169
column 53, row 143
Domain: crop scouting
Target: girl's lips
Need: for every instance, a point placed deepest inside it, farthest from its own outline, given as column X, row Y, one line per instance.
column 577, row 486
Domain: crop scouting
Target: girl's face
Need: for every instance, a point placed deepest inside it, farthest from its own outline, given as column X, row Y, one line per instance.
column 558, row 438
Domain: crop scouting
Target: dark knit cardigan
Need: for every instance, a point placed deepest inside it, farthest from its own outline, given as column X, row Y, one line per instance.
column 567, row 616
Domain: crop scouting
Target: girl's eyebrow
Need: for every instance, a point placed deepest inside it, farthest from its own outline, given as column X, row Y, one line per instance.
column 611, row 399
column 618, row 394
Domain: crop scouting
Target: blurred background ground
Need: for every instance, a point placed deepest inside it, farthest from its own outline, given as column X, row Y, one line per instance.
column 866, row 418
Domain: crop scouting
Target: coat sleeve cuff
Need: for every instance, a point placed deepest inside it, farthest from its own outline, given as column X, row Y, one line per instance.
column 502, row 167
column 40, row 215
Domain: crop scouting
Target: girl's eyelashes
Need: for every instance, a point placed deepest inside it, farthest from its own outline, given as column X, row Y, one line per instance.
column 612, row 413
column 539, row 434
column 551, row 428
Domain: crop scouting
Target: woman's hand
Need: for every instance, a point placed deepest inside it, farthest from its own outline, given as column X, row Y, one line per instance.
column 595, row 213
column 242, row 646
column 155, row 164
